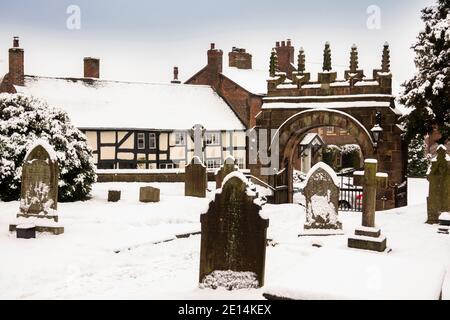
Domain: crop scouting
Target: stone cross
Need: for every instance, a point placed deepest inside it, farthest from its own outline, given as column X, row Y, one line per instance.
column 234, row 235
column 196, row 179
column 370, row 180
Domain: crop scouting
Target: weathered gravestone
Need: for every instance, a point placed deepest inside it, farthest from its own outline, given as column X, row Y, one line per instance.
column 196, row 179
column 368, row 236
column 438, row 200
column 233, row 243
column 39, row 190
column 228, row 167
column 149, row 194
column 322, row 199
column 114, row 195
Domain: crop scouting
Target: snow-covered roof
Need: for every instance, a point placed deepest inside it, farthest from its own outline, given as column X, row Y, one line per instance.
column 126, row 105
column 309, row 137
column 252, row 80
column 326, row 105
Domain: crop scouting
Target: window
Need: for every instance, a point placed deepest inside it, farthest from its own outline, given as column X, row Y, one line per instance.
column 166, row 166
column 180, row 139
column 241, row 163
column 212, row 138
column 213, row 163
column 152, row 140
column 330, row 130
column 141, row 141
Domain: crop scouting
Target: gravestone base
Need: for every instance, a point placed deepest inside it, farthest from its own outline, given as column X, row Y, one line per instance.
column 41, row 224
column 320, row 232
column 368, row 239
column 26, row 231
column 444, row 219
column 38, row 216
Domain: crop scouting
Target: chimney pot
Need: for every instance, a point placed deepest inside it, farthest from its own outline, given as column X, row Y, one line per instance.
column 16, row 42
column 175, row 76
column 91, row 67
column 213, row 46
column 288, row 42
column 283, row 43
column 277, row 44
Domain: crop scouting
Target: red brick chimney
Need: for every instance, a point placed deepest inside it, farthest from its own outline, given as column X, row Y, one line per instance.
column 285, row 53
column 215, row 59
column 239, row 58
column 16, row 64
column 91, row 68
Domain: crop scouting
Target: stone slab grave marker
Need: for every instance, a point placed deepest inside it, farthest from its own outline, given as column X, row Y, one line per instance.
column 196, row 179
column 322, row 199
column 233, row 237
column 149, row 194
column 228, row 167
column 438, row 200
column 368, row 237
column 114, row 195
column 39, row 190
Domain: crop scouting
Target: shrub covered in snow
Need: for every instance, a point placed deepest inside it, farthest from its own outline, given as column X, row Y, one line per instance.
column 331, row 154
column 418, row 162
column 230, row 280
column 351, row 156
column 25, row 119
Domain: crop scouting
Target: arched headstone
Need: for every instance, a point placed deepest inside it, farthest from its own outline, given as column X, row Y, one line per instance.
column 228, row 167
column 39, row 189
column 322, row 198
column 233, row 244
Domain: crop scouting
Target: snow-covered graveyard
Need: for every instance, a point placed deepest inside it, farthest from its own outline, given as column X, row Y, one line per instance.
column 130, row 250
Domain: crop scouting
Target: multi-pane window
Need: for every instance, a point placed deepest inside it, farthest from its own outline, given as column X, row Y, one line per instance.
column 166, row 166
column 330, row 130
column 152, row 140
column 180, row 138
column 212, row 138
column 141, row 141
column 241, row 163
column 213, row 163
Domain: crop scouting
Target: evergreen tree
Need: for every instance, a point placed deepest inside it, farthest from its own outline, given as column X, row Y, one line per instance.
column 428, row 93
column 23, row 120
column 273, row 68
column 327, row 58
column 417, row 160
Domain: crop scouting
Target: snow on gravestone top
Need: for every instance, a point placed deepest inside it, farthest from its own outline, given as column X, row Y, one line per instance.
column 322, row 197
column 39, row 189
column 234, row 234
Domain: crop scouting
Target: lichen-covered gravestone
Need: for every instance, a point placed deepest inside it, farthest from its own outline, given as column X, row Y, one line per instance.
column 234, row 235
column 39, row 190
column 228, row 167
column 322, row 198
column 196, row 179
column 438, row 200
column 149, row 194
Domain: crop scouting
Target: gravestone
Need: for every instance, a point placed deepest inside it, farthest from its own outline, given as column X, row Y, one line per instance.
column 39, row 190
column 368, row 236
column 438, row 200
column 322, row 199
column 114, row 195
column 196, row 179
column 228, row 167
column 149, row 194
column 234, row 236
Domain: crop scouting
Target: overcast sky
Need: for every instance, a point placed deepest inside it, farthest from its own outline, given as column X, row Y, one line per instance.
column 141, row 40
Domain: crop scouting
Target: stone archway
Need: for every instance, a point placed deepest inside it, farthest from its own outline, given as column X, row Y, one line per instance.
column 289, row 135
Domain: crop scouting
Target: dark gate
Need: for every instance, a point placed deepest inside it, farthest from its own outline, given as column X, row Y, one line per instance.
column 350, row 196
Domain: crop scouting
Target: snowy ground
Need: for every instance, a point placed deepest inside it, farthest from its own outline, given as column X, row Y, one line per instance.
column 83, row 263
